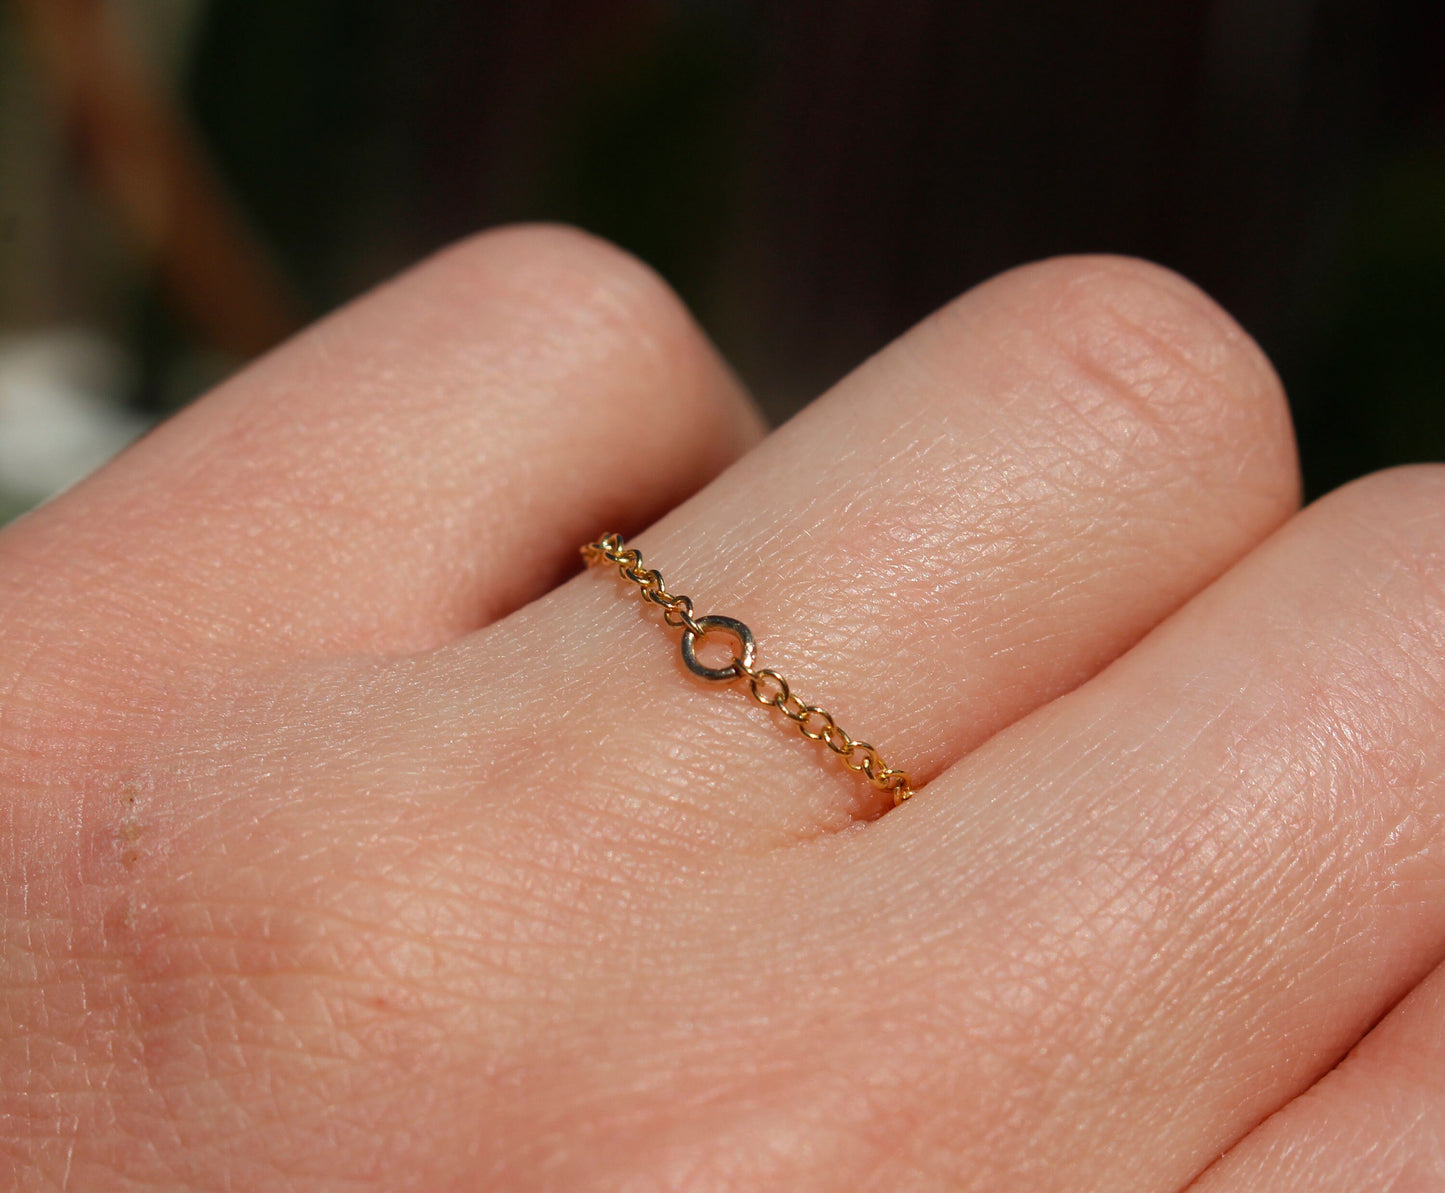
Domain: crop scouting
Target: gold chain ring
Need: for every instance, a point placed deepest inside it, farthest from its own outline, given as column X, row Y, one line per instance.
column 765, row 685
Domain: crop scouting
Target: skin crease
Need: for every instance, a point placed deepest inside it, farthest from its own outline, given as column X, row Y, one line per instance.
column 353, row 842
column 1375, row 1122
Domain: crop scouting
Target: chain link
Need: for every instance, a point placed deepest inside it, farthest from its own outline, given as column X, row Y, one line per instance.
column 765, row 685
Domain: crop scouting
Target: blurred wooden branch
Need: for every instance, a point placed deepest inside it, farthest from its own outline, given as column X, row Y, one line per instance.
column 147, row 162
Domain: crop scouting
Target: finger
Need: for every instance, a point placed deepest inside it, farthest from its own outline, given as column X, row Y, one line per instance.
column 1377, row 1121
column 1174, row 898
column 973, row 522
column 404, row 472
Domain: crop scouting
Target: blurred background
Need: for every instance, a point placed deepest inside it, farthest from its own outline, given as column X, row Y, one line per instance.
column 184, row 182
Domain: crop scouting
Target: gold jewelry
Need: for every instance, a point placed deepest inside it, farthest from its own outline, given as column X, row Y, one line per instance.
column 814, row 723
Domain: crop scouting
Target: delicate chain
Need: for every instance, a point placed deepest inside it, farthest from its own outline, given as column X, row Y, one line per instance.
column 765, row 685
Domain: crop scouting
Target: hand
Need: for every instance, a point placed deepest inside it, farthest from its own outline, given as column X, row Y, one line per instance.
column 356, row 840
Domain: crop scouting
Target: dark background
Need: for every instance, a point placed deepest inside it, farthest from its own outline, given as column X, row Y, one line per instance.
column 813, row 177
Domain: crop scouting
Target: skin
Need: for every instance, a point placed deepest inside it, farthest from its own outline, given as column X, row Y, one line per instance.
column 354, row 839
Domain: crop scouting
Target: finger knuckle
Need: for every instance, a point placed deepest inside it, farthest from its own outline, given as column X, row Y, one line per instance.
column 565, row 280
column 1148, row 361
column 1386, row 535
column 1357, row 633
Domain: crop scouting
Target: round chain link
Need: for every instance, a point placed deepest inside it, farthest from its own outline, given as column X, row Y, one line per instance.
column 765, row 685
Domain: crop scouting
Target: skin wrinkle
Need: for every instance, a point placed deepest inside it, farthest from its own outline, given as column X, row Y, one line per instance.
column 1309, row 1138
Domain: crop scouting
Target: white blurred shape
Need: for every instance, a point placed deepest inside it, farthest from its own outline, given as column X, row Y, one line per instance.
column 60, row 409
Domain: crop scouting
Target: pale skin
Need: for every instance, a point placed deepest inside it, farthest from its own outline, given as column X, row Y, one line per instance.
column 356, row 839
